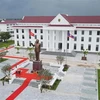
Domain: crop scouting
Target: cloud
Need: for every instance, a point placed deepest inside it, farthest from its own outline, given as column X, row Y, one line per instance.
column 19, row 8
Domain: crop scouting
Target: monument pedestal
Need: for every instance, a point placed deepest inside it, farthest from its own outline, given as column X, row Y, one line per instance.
column 37, row 65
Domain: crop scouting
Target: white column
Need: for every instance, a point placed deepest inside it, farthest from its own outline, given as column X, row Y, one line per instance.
column 46, row 39
column 63, row 41
column 53, row 41
column 71, row 41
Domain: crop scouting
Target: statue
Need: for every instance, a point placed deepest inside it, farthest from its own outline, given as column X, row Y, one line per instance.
column 37, row 49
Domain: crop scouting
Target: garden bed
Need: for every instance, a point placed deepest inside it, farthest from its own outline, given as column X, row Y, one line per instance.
column 65, row 67
column 3, row 59
column 53, row 87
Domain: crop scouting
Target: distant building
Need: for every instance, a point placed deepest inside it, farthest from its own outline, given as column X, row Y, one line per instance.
column 52, row 31
column 6, row 26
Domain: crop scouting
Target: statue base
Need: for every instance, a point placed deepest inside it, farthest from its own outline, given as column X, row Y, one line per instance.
column 37, row 65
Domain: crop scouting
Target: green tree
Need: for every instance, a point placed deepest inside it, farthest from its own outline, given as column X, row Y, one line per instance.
column 5, row 36
column 45, row 77
column 60, row 59
column 6, row 70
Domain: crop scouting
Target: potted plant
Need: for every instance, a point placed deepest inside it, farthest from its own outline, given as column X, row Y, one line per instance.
column 85, row 52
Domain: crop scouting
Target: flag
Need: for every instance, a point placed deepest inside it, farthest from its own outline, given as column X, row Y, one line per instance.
column 31, row 33
column 69, row 35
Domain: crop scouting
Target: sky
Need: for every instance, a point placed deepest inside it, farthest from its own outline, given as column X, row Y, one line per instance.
column 20, row 8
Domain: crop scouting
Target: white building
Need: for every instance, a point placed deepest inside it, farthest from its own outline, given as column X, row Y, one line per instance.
column 52, row 32
column 6, row 26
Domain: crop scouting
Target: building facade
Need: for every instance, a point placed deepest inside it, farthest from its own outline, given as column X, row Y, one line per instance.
column 52, row 32
column 6, row 26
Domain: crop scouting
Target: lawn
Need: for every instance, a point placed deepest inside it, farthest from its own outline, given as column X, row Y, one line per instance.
column 99, row 84
column 54, row 86
column 7, row 43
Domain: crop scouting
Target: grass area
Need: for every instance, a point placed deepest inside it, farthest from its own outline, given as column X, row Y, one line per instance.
column 99, row 84
column 7, row 43
column 3, row 59
column 54, row 87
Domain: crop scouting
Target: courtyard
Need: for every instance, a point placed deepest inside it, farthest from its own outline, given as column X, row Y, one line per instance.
column 79, row 82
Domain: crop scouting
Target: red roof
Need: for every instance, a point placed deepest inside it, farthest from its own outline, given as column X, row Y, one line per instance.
column 10, row 21
column 70, row 19
column 37, row 19
column 83, row 19
column 89, row 27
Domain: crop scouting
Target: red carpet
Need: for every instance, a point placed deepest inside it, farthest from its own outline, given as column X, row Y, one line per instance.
column 19, row 90
column 29, row 77
column 14, row 65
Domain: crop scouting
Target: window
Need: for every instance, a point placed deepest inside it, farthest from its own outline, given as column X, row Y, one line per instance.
column 75, row 32
column 82, row 46
column 90, row 32
column 16, row 30
column 74, row 46
column 97, row 40
column 23, row 37
column 48, row 37
column 35, row 36
column 17, row 43
column 67, row 45
column 29, row 37
column 89, row 47
column 67, row 38
column 82, row 32
column 54, row 37
column 97, row 47
column 41, row 31
column 29, row 43
column 17, row 36
column 35, row 31
column 89, row 39
column 98, row 32
column 75, row 38
column 41, row 37
column 82, row 38
column 23, row 43
column 22, row 30
column 41, row 44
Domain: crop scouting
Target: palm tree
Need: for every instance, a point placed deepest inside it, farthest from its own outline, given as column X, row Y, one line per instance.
column 85, row 52
column 31, row 56
column 7, row 45
column 6, row 71
column 17, row 48
column 60, row 59
column 30, row 49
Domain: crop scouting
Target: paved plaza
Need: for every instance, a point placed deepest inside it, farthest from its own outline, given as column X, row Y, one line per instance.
column 79, row 82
